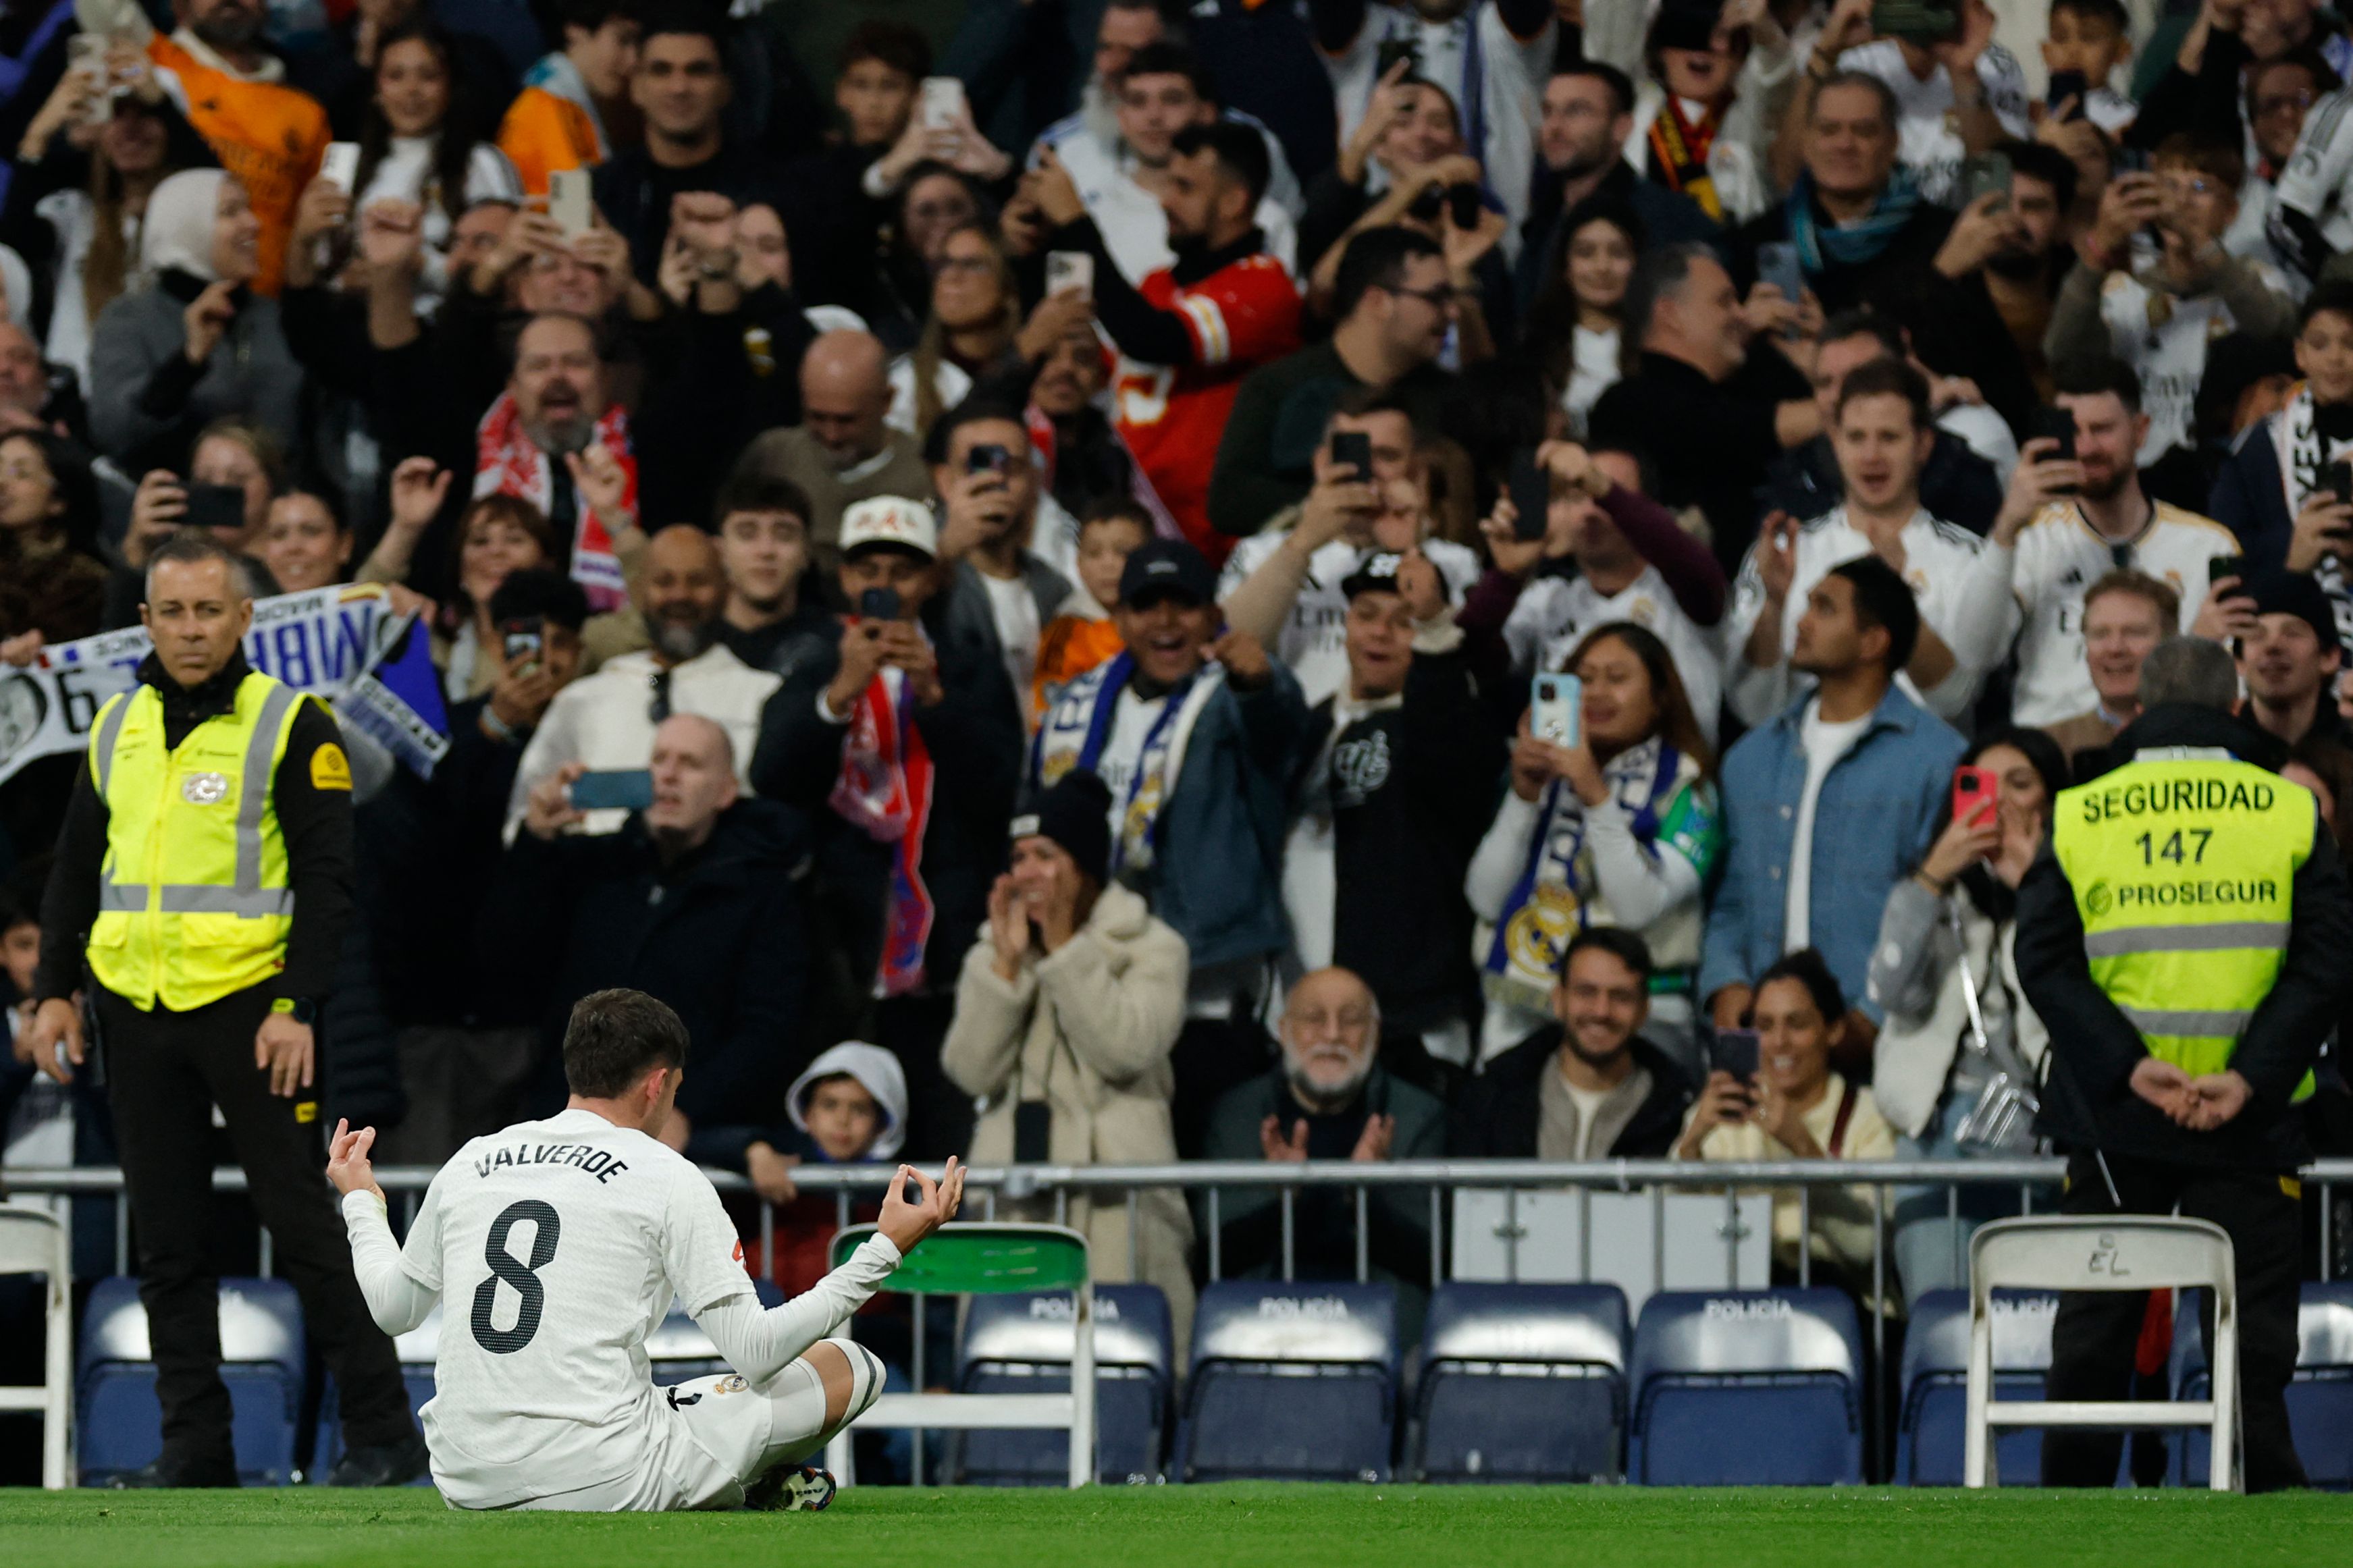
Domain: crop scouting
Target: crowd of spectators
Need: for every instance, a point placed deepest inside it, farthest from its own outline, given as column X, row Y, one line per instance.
column 1066, row 503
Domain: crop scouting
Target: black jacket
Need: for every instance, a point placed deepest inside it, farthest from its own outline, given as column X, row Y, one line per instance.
column 974, row 737
column 315, row 823
column 2087, row 1101
column 718, row 934
column 1501, row 1110
column 1410, row 790
column 1957, row 485
column 431, row 848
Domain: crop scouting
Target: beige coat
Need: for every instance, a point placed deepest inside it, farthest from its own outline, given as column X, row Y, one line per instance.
column 1841, row 1216
column 1088, row 1030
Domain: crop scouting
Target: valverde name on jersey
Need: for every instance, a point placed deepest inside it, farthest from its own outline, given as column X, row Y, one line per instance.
column 2175, row 794
column 597, row 1162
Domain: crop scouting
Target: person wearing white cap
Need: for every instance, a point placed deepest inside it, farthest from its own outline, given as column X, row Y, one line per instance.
column 906, row 764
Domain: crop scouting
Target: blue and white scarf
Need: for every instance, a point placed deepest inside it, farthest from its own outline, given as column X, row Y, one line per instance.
column 1078, row 726
column 1556, row 896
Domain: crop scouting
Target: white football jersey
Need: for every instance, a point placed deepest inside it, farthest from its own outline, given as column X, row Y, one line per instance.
column 1928, row 134
column 1314, row 642
column 1553, row 614
column 2164, row 337
column 1938, row 558
column 2058, row 556
column 557, row 1246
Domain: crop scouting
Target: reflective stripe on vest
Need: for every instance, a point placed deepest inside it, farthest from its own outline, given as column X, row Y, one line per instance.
column 2183, row 870
column 173, row 876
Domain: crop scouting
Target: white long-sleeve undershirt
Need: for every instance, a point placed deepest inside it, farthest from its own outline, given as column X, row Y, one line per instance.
column 758, row 1342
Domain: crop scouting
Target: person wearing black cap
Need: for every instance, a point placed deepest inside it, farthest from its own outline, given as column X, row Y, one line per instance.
column 1388, row 808
column 2288, row 660
column 1067, row 1009
column 1196, row 734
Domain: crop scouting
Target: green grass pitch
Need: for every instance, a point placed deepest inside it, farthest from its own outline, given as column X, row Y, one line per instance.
column 1200, row 1527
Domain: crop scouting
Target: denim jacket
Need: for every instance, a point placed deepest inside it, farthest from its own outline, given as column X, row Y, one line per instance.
column 1881, row 806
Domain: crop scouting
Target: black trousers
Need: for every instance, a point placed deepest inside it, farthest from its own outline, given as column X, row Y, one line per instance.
column 166, row 1072
column 2094, row 1337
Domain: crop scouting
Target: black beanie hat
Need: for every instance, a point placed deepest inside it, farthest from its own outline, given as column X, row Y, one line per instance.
column 1076, row 815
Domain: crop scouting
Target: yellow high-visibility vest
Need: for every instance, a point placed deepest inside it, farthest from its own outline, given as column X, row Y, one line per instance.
column 2183, row 866
column 193, row 901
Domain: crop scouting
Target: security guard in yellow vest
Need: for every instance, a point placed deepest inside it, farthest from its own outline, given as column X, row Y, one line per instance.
column 204, row 878
column 2185, row 939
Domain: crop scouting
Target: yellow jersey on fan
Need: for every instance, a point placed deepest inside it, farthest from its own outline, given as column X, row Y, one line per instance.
column 2058, row 556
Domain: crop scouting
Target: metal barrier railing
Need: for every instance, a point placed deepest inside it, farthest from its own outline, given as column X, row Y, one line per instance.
column 1025, row 1183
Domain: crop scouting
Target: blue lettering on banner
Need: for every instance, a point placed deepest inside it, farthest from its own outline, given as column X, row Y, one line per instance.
column 294, row 663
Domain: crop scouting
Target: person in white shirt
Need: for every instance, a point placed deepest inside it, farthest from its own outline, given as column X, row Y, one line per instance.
column 1163, row 90
column 993, row 510
column 1282, row 585
column 415, row 149
column 2049, row 545
column 1615, row 580
column 2280, row 94
column 1955, row 96
column 554, row 1248
column 1882, row 437
column 2160, row 316
column 1721, row 77
column 606, row 720
column 1492, row 56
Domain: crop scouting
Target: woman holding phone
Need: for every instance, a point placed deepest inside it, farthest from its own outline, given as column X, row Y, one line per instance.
column 1618, row 826
column 1796, row 1107
column 1945, row 969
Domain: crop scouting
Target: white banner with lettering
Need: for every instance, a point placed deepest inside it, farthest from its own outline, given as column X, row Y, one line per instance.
column 345, row 644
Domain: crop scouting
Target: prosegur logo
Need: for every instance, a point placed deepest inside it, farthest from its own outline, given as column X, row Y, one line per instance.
column 2099, row 898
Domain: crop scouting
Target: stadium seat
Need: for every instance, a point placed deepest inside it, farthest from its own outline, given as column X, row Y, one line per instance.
column 1935, row 1380
column 118, row 1423
column 1746, row 1388
column 417, row 1349
column 1022, row 1344
column 1291, row 1382
column 1520, row 1383
column 2319, row 1399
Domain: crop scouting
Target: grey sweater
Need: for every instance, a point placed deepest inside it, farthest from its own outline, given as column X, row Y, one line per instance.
column 147, row 401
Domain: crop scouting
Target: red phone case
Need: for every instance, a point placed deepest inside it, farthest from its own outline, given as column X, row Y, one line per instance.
column 1975, row 789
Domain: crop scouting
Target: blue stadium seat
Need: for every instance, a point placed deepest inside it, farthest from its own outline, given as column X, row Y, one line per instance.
column 1291, row 1382
column 1930, row 1442
column 118, row 1423
column 1022, row 1344
column 2319, row 1399
column 418, row 1350
column 1746, row 1388
column 1521, row 1382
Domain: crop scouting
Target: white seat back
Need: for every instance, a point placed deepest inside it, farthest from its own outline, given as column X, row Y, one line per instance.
column 2125, row 1252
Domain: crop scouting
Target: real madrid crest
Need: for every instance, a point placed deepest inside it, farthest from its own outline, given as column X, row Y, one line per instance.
column 204, row 789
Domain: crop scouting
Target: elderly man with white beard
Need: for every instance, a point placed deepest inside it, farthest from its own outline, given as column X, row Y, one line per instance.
column 1328, row 1098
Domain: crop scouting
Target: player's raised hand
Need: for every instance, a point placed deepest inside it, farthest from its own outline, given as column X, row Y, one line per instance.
column 348, row 1169
column 908, row 1223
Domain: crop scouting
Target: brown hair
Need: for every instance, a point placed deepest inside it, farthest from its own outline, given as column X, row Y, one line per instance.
column 1676, row 723
column 932, row 345
column 2125, row 579
column 506, row 509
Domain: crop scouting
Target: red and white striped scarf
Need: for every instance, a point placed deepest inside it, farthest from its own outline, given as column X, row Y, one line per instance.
column 508, row 463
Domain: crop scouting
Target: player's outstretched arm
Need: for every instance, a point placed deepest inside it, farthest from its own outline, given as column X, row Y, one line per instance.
column 395, row 1300
column 761, row 1342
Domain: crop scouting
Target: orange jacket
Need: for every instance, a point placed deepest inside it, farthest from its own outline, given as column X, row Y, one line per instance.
column 543, row 133
column 1069, row 648
column 269, row 137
